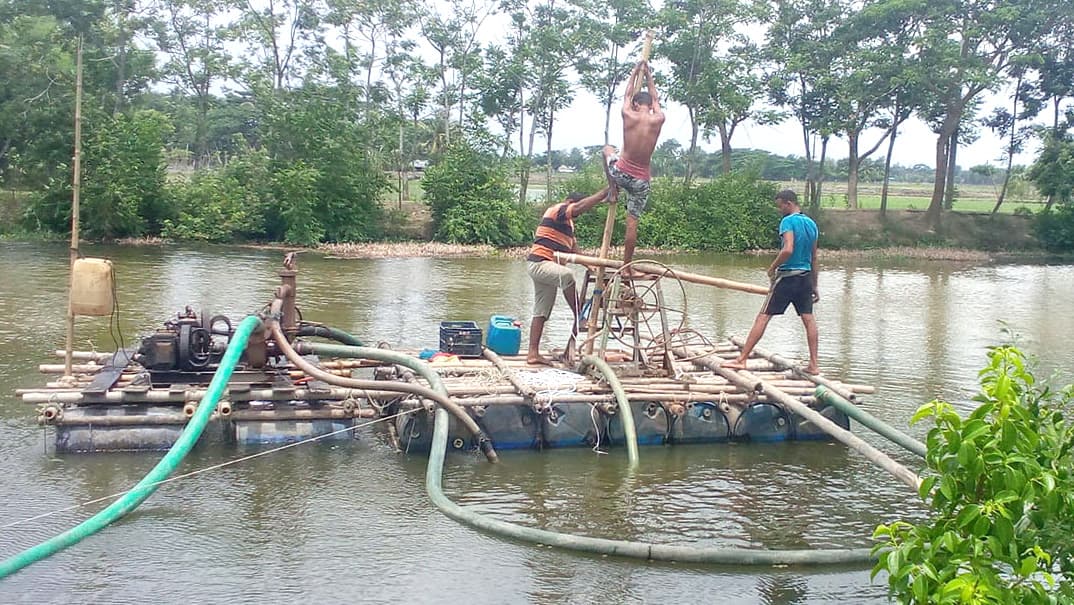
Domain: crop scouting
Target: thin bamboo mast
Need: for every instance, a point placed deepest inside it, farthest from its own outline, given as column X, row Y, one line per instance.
column 76, row 188
column 609, row 223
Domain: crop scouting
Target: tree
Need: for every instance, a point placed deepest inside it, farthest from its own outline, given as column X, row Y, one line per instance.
column 612, row 27
column 718, row 85
column 276, row 31
column 801, row 42
column 1053, row 171
column 189, row 32
column 966, row 46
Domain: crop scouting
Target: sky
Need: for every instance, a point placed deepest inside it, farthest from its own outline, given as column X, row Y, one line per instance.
column 582, row 124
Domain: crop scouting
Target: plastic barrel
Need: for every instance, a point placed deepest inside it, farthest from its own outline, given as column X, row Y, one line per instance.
column 651, row 423
column 702, row 423
column 763, row 422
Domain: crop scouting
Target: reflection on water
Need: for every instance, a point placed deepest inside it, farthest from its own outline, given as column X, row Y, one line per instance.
column 351, row 522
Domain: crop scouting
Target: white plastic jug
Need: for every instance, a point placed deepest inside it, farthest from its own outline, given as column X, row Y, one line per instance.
column 91, row 287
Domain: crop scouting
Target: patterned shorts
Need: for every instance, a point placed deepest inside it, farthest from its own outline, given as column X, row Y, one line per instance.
column 637, row 189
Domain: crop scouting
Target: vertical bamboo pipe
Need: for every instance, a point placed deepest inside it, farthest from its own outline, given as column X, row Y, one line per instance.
column 76, row 187
column 609, row 224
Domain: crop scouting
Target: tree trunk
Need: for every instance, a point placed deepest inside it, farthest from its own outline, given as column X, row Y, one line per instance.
column 949, row 192
column 1010, row 146
column 725, row 148
column 548, row 156
column 121, row 59
column 525, row 168
column 887, row 171
column 691, row 155
column 853, row 166
column 939, row 185
column 820, row 172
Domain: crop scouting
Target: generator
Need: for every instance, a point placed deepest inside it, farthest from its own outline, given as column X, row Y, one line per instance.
column 186, row 343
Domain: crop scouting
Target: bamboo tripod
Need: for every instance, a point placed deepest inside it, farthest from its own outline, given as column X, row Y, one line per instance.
column 600, row 285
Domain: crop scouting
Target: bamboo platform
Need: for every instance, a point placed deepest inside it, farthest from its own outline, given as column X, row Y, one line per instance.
column 518, row 405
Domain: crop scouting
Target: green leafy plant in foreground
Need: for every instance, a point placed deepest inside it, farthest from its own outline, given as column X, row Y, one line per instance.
column 1001, row 491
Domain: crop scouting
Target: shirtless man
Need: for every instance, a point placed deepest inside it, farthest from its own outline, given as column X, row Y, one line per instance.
column 642, row 120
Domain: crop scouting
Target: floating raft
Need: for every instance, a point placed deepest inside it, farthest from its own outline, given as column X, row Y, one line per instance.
column 113, row 404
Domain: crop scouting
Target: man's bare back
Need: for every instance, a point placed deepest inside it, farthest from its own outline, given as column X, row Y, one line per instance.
column 641, row 130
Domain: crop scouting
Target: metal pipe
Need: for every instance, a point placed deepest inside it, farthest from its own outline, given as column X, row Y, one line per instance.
column 330, row 333
column 879, row 458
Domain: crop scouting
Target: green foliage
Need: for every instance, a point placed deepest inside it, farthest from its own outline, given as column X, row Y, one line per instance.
column 225, row 204
column 731, row 213
column 471, row 201
column 1055, row 228
column 1053, row 172
column 122, row 180
column 1001, row 489
column 496, row 222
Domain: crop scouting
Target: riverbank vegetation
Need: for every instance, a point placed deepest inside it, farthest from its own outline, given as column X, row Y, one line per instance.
column 1000, row 486
column 306, row 121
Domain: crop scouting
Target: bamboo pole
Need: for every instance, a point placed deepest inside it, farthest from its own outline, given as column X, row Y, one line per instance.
column 798, row 371
column 509, row 374
column 747, row 380
column 76, row 188
column 237, row 415
column 652, row 269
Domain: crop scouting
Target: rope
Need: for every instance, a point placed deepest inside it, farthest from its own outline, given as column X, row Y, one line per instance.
column 210, row 468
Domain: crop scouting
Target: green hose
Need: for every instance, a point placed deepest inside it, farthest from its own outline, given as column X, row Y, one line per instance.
column 161, row 471
column 625, row 411
column 639, row 550
column 331, row 333
column 868, row 420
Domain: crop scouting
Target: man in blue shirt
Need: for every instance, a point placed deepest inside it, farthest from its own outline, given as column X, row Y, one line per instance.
column 794, row 280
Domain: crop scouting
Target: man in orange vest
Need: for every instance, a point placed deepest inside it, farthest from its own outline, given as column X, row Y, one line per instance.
column 555, row 233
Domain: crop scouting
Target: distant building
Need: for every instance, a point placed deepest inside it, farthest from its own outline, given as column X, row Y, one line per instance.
column 565, row 170
column 420, row 165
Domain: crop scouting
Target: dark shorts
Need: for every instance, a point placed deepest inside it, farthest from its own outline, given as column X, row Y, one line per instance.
column 788, row 290
column 637, row 189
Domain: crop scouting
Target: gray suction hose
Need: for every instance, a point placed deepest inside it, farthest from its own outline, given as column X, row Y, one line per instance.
column 868, row 420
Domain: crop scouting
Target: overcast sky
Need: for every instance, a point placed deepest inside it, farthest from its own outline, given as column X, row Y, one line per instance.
column 582, row 124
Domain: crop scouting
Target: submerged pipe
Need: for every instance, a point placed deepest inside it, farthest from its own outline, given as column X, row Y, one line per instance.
column 625, row 411
column 621, row 548
column 866, row 419
column 161, row 471
column 437, row 393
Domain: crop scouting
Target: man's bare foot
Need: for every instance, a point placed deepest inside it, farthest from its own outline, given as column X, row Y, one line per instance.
column 812, row 370
column 538, row 360
column 734, row 364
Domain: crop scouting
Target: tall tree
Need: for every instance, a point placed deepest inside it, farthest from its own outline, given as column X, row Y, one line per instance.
column 611, row 27
column 967, row 47
column 276, row 31
column 801, row 41
column 192, row 34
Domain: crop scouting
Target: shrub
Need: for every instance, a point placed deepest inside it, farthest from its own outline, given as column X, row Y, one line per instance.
column 122, row 180
column 731, row 213
column 471, row 201
column 223, row 204
column 1001, row 489
column 1055, row 228
column 495, row 222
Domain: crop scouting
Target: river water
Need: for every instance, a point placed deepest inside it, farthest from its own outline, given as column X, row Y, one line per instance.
column 351, row 522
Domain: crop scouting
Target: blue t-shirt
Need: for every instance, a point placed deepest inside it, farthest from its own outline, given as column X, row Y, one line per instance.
column 805, row 234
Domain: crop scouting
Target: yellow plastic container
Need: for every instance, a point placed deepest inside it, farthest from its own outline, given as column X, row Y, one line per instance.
column 91, row 287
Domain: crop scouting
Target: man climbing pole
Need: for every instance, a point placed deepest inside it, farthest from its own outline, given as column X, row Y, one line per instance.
column 642, row 120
